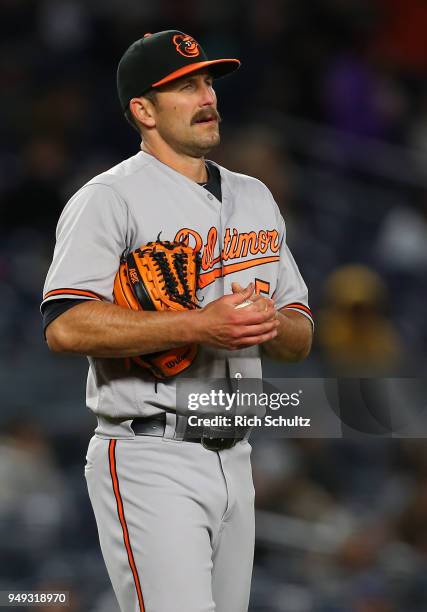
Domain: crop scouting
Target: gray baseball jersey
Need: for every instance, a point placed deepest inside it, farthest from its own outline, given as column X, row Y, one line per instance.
column 149, row 498
column 240, row 239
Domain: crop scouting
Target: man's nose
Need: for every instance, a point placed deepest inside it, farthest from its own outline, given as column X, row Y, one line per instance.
column 207, row 95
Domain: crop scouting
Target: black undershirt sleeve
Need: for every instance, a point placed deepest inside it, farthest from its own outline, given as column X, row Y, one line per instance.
column 51, row 310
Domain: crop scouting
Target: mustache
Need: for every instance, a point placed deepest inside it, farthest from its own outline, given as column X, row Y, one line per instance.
column 206, row 114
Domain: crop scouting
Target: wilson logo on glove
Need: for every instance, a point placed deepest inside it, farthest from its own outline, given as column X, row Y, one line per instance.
column 161, row 275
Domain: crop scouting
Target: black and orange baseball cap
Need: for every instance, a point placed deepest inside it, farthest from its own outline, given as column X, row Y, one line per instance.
column 156, row 59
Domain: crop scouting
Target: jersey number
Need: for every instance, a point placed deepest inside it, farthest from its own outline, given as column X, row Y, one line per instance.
column 262, row 287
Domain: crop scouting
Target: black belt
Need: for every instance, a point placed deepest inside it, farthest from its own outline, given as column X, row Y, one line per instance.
column 156, row 426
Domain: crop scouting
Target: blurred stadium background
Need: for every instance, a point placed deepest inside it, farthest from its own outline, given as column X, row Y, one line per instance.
column 330, row 110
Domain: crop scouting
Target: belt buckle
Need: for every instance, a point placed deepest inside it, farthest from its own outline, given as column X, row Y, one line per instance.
column 216, row 444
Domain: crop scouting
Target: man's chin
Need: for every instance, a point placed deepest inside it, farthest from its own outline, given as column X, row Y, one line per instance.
column 212, row 141
column 203, row 146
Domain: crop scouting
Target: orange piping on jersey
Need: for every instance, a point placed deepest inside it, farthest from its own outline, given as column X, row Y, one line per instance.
column 299, row 306
column 207, row 278
column 81, row 292
column 121, row 513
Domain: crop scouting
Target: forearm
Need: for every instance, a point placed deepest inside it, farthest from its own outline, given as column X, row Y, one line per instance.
column 294, row 338
column 99, row 329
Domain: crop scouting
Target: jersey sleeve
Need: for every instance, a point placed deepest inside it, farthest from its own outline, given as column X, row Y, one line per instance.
column 291, row 291
column 91, row 235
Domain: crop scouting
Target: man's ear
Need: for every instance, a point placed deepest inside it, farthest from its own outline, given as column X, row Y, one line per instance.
column 142, row 110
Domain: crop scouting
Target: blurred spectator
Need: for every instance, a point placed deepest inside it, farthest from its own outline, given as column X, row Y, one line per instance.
column 354, row 332
column 402, row 239
column 34, row 502
column 31, row 485
column 401, row 252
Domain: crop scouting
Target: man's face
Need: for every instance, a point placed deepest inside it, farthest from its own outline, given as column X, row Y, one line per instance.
column 186, row 115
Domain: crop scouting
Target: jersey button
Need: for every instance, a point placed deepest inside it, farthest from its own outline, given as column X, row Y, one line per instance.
column 210, row 196
column 238, row 375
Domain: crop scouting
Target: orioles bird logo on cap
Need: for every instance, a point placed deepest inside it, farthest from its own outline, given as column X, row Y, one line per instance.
column 186, row 45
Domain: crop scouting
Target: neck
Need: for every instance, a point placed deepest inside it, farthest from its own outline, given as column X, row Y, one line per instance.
column 192, row 167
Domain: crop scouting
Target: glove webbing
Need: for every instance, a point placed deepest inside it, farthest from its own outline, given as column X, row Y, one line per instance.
column 180, row 264
column 170, row 284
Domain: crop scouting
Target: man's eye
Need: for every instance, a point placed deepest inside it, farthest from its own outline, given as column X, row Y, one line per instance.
column 188, row 86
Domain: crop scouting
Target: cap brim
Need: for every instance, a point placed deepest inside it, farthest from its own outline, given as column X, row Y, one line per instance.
column 218, row 68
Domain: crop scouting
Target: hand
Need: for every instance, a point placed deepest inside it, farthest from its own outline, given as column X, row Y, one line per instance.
column 224, row 326
column 261, row 302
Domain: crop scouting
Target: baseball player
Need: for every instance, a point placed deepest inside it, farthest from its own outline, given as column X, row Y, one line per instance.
column 175, row 516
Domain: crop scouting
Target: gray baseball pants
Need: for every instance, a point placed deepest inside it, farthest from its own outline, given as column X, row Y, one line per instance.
column 175, row 523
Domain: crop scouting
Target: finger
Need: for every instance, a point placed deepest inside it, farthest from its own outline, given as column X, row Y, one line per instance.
column 262, row 298
column 272, row 316
column 254, row 340
column 257, row 330
column 253, row 316
column 260, row 316
column 236, row 288
column 262, row 303
column 257, row 306
column 244, row 294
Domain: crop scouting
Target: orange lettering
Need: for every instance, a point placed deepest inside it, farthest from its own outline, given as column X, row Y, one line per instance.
column 262, row 241
column 273, row 238
column 232, row 252
column 226, row 248
column 235, row 245
column 208, row 253
column 247, row 241
column 184, row 235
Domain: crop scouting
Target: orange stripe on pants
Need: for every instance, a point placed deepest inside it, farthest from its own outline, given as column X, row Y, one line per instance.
column 121, row 513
